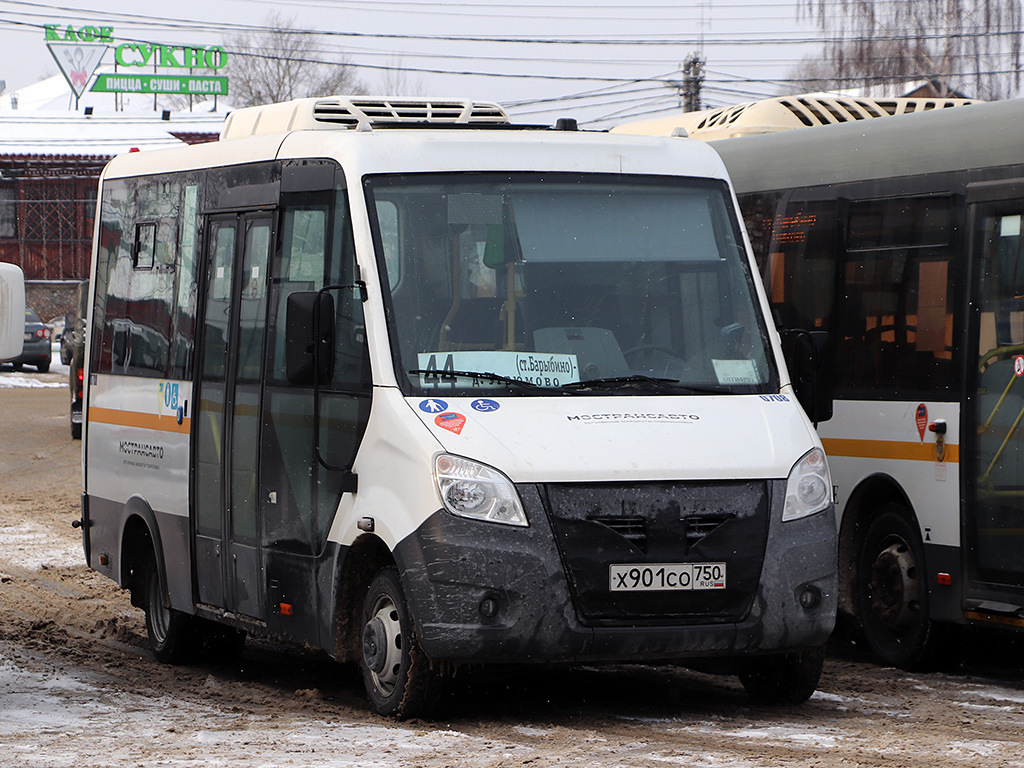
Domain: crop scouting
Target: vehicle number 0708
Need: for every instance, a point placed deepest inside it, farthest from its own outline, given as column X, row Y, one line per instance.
column 665, row 576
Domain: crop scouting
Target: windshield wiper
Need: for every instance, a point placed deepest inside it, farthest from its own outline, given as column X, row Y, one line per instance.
column 639, row 381
column 487, row 375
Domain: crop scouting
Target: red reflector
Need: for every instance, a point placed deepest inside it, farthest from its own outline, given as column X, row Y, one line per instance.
column 103, row 560
column 81, row 375
column 944, row 579
column 134, row 149
column 286, row 609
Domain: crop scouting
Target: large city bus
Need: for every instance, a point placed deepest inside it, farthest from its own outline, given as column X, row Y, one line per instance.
column 901, row 237
column 423, row 389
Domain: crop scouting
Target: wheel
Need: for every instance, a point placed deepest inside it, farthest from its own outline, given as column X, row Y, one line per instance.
column 397, row 675
column 43, row 367
column 17, row 366
column 170, row 632
column 76, row 431
column 891, row 591
column 790, row 678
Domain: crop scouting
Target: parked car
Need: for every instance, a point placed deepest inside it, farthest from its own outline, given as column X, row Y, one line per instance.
column 36, row 349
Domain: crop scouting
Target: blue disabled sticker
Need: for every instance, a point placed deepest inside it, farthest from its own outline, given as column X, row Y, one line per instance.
column 484, row 405
column 433, row 405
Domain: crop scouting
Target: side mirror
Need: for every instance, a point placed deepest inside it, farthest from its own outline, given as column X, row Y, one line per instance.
column 809, row 365
column 309, row 337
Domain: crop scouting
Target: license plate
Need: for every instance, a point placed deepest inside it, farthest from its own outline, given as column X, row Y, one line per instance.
column 649, row 577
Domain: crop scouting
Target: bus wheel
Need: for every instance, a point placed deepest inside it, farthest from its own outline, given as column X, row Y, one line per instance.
column 790, row 678
column 891, row 592
column 396, row 672
column 170, row 631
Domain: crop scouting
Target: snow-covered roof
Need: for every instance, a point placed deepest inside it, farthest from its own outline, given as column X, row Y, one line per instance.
column 41, row 119
column 77, row 135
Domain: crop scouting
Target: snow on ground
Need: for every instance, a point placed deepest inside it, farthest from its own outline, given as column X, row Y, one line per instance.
column 81, row 719
column 29, row 377
column 32, row 546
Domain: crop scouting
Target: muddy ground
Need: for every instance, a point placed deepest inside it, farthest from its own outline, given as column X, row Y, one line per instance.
column 79, row 687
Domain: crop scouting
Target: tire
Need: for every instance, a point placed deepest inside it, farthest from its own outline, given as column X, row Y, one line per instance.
column 76, row 431
column 43, row 367
column 171, row 632
column 790, row 678
column 397, row 675
column 17, row 366
column 892, row 593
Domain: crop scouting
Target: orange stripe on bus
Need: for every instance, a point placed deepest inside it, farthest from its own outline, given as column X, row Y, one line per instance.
column 887, row 449
column 139, row 420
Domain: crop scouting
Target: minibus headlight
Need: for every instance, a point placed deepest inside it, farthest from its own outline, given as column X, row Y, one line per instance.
column 476, row 491
column 809, row 486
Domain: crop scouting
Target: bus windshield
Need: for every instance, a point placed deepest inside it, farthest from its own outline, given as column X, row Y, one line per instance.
column 541, row 283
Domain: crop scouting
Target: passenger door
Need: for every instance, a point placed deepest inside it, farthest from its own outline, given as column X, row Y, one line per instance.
column 994, row 469
column 228, row 417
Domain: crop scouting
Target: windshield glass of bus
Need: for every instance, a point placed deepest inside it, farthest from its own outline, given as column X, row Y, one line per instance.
column 540, row 283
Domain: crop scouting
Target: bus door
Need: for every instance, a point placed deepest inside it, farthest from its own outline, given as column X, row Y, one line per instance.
column 994, row 508
column 228, row 417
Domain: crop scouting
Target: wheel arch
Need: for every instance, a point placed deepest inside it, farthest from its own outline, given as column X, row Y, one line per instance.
column 140, row 540
column 866, row 501
column 367, row 555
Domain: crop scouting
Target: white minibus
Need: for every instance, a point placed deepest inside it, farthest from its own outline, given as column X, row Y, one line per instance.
column 405, row 382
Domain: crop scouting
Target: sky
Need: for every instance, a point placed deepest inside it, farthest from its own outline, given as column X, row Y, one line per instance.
column 593, row 59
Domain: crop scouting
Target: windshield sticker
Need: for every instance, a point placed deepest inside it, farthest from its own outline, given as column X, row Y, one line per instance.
column 485, row 405
column 453, row 422
column 545, row 370
column 736, row 372
column 433, row 405
column 635, row 418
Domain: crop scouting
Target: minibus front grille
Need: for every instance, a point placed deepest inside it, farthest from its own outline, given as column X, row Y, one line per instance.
column 699, row 526
column 658, row 524
column 632, row 529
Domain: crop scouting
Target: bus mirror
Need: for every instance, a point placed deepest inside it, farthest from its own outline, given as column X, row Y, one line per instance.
column 309, row 337
column 810, row 370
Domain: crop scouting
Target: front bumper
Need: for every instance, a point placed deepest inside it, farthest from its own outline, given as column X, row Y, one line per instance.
column 483, row 592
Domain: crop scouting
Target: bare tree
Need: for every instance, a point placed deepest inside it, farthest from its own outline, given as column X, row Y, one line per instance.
column 397, row 81
column 282, row 63
column 973, row 46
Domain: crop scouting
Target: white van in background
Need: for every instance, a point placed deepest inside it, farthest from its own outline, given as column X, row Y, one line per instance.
column 12, row 311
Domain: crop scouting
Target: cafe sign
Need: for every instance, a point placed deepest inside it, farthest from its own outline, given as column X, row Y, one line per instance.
column 78, row 51
column 188, row 85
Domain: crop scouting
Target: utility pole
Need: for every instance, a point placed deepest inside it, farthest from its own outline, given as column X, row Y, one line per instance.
column 693, row 82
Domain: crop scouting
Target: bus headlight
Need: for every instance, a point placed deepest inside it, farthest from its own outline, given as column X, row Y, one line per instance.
column 808, row 487
column 473, row 490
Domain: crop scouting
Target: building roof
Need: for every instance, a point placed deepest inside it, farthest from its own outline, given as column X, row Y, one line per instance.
column 41, row 120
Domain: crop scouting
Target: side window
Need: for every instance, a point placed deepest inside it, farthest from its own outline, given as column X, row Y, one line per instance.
column 896, row 328
column 387, row 220
column 795, row 242
column 8, row 212
column 145, row 245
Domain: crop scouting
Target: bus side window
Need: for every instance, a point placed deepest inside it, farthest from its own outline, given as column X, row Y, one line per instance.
column 800, row 263
column 897, row 315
